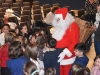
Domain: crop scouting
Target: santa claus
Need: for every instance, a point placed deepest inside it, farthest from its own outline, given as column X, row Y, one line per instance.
column 66, row 32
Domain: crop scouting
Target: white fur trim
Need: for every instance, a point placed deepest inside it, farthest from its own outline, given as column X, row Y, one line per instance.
column 68, row 61
column 67, row 52
column 62, row 25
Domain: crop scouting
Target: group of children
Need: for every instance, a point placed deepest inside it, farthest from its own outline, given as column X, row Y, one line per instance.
column 38, row 56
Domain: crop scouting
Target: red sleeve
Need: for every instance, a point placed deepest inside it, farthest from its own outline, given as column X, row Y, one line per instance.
column 74, row 36
column 1, row 53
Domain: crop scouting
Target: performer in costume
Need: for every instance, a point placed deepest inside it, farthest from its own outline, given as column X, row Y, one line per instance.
column 66, row 32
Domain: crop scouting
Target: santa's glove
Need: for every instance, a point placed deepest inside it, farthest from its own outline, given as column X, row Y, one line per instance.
column 62, row 54
column 67, row 52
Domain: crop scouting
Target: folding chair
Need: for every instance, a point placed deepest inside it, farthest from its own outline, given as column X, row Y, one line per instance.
column 1, row 23
column 5, row 5
column 25, row 18
column 37, row 11
column 26, row 12
column 81, row 12
column 37, row 17
column 26, row 8
column 36, row 7
column 3, row 9
column 13, row 19
column 72, row 13
column 36, row 3
column 2, row 1
column 46, row 11
column 38, row 21
column 10, row 2
column 56, row 4
column 2, row 14
column 20, row 2
column 16, row 5
column 26, row 3
column 46, row 6
column 17, row 9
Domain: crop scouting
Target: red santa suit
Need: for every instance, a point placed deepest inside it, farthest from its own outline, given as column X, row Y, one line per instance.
column 66, row 32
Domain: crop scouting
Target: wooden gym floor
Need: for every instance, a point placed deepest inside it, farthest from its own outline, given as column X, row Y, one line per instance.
column 91, row 55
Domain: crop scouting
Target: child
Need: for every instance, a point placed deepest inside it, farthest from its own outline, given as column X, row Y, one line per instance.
column 17, row 60
column 5, row 30
column 86, row 71
column 50, row 71
column 24, row 31
column 32, row 52
column 81, row 58
column 33, row 39
column 9, row 38
column 96, row 66
column 30, row 68
column 23, row 41
column 17, row 30
column 51, row 57
column 42, row 46
column 42, row 32
column 77, row 69
column 97, row 32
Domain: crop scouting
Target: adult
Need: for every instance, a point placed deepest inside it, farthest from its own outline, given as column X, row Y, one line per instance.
column 97, row 31
column 90, row 6
column 66, row 32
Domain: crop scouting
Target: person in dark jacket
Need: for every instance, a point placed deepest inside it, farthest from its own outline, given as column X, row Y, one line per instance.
column 51, row 57
column 81, row 58
column 97, row 31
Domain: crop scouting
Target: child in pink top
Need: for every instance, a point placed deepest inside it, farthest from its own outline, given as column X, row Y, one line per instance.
column 96, row 66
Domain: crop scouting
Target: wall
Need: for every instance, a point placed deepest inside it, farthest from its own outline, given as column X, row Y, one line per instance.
column 74, row 4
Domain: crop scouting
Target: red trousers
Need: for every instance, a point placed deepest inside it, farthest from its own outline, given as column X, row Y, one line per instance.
column 64, row 69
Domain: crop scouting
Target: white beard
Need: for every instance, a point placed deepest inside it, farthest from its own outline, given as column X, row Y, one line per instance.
column 61, row 26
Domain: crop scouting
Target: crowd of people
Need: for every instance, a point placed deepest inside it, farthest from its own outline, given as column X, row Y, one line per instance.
column 38, row 52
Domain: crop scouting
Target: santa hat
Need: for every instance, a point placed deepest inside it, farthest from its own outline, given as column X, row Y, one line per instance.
column 62, row 11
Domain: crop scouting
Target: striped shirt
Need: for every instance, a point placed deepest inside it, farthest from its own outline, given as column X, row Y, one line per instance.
column 91, row 7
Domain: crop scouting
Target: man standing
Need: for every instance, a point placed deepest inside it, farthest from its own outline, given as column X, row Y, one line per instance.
column 66, row 32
